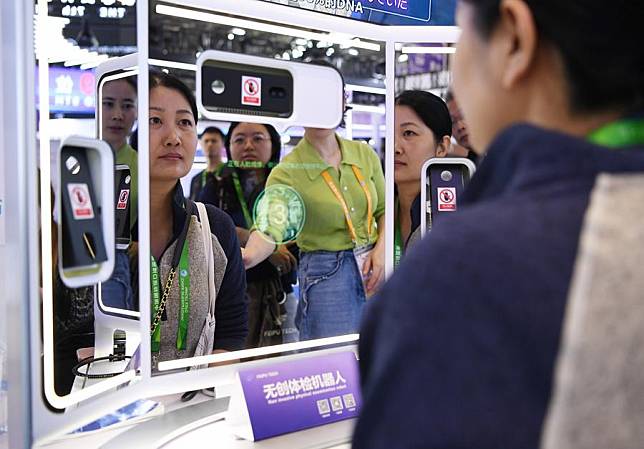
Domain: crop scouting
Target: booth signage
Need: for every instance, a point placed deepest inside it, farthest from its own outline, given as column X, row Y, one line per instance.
column 417, row 10
column 291, row 396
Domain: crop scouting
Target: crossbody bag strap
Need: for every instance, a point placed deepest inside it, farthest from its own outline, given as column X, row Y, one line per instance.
column 207, row 241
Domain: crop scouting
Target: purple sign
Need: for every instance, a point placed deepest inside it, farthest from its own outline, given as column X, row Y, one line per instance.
column 71, row 90
column 296, row 395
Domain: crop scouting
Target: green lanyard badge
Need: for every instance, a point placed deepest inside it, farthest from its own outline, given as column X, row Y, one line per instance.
column 184, row 293
column 159, row 303
column 242, row 200
column 398, row 244
column 619, row 134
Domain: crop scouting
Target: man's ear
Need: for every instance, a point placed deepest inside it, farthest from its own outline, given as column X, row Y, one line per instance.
column 443, row 146
column 516, row 37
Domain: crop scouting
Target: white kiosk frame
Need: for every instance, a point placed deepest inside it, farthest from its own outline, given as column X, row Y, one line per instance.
column 31, row 421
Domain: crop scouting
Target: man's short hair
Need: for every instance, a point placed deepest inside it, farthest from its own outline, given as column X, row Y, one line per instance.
column 212, row 130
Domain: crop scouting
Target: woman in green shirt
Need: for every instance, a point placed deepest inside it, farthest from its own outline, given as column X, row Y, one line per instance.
column 342, row 187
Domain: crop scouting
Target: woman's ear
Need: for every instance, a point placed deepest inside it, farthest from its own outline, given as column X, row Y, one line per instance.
column 443, row 146
column 516, row 36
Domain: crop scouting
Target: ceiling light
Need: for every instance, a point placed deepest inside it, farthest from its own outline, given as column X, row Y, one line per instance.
column 173, row 64
column 330, row 51
column 429, row 50
column 265, row 27
column 231, row 36
column 353, row 52
column 367, row 89
column 403, row 58
column 238, row 31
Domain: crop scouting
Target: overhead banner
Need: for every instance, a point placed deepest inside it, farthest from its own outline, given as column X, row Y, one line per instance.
column 383, row 12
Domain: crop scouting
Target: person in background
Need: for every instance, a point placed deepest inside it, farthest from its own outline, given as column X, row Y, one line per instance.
column 463, row 147
column 332, row 176
column 253, row 150
column 459, row 348
column 212, row 143
column 118, row 115
column 422, row 131
column 177, row 243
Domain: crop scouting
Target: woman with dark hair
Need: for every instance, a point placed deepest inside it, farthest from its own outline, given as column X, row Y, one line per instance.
column 183, row 323
column 253, row 150
column 423, row 130
column 459, row 348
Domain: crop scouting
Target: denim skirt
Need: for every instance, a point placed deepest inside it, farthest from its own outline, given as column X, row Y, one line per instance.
column 331, row 294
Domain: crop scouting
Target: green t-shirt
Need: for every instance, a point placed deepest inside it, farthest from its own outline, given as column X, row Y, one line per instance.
column 325, row 227
column 127, row 156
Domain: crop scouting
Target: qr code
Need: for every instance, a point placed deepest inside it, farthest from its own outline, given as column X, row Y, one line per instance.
column 349, row 400
column 336, row 404
column 323, row 406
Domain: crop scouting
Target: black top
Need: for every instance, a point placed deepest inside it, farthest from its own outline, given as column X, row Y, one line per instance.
column 458, row 349
column 198, row 183
column 221, row 192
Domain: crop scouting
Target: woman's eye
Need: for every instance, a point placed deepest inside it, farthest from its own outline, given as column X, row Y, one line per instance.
column 408, row 133
column 108, row 104
column 155, row 121
column 185, row 122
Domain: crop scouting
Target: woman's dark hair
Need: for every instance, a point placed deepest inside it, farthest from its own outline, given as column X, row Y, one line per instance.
column 276, row 141
column 600, row 44
column 431, row 109
column 162, row 79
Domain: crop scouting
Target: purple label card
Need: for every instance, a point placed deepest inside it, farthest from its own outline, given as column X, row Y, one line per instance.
column 285, row 397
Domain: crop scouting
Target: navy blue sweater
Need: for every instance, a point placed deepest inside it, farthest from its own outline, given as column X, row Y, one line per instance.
column 458, row 349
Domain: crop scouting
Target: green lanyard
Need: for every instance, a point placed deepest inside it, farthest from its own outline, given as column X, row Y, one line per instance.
column 184, row 292
column 620, row 134
column 204, row 177
column 242, row 200
column 398, row 245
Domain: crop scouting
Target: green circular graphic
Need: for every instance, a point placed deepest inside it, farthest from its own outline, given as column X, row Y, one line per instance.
column 280, row 213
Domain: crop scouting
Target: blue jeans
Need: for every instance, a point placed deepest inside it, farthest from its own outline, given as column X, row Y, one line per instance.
column 331, row 294
column 117, row 290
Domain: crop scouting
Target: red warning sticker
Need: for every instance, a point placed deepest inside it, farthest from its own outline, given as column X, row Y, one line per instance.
column 446, row 198
column 123, row 196
column 80, row 201
column 251, row 91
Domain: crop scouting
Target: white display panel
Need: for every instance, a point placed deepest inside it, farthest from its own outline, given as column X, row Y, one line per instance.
column 46, row 423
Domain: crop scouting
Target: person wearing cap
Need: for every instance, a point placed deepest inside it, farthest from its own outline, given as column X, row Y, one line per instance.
column 423, row 129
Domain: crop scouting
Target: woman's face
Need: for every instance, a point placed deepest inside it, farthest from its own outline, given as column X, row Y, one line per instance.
column 118, row 112
column 251, row 142
column 414, row 144
column 477, row 84
column 173, row 134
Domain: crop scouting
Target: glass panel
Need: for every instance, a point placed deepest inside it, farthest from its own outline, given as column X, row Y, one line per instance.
column 310, row 287
column 80, row 37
